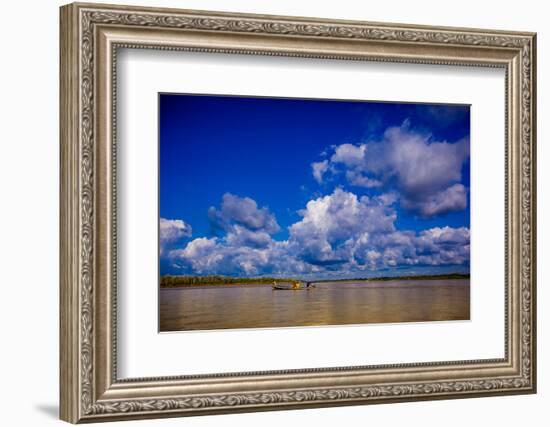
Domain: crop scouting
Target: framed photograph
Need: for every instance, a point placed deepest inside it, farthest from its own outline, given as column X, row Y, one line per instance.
column 377, row 231
column 265, row 212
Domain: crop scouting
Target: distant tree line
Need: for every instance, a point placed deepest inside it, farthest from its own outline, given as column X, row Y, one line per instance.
column 182, row 281
column 175, row 281
column 386, row 278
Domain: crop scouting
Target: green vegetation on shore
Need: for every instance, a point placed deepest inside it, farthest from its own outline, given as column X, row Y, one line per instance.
column 182, row 281
column 188, row 281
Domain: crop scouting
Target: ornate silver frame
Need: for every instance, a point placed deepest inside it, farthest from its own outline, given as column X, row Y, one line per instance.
column 90, row 36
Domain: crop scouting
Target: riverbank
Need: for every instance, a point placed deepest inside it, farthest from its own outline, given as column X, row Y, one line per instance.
column 175, row 282
column 187, row 281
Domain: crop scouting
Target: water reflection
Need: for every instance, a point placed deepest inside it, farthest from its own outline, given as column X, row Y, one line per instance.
column 257, row 306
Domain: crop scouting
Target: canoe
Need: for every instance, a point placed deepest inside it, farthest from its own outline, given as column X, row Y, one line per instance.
column 292, row 287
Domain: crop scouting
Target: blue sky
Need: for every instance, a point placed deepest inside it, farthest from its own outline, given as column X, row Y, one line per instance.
column 312, row 188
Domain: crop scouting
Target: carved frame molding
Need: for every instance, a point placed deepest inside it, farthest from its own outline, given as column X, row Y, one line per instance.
column 90, row 37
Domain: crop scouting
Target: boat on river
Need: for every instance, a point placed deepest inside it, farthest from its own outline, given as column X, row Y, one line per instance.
column 294, row 286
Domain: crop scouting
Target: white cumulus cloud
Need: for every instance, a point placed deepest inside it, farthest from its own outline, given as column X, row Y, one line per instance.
column 319, row 169
column 349, row 154
column 453, row 198
column 338, row 232
column 330, row 224
column 242, row 211
column 173, row 229
column 426, row 173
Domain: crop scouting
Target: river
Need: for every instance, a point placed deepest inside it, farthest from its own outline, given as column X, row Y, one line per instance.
column 259, row 306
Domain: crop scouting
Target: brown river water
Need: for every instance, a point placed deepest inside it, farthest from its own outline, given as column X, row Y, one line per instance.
column 259, row 306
